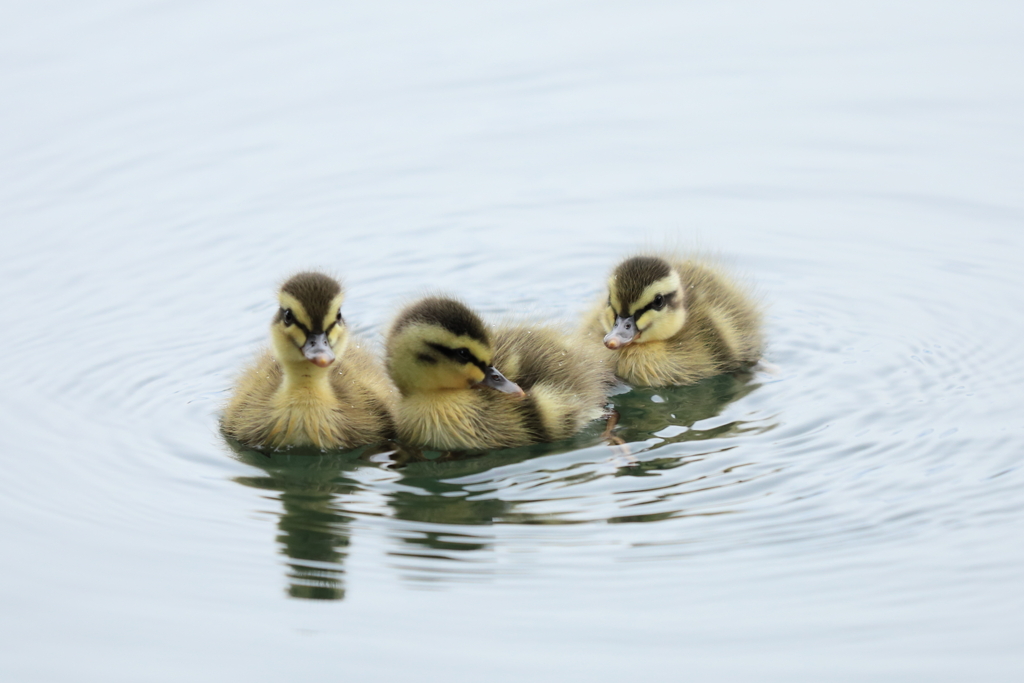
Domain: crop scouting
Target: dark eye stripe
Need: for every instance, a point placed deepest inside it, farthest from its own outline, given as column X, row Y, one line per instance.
column 667, row 302
column 338, row 320
column 293, row 320
column 453, row 354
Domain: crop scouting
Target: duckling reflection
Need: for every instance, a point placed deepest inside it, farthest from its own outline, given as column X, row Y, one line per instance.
column 454, row 522
column 444, row 510
column 669, row 413
column 447, row 521
column 457, row 524
column 313, row 530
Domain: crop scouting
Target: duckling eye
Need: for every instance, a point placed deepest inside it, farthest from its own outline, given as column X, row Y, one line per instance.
column 659, row 302
column 464, row 355
column 287, row 318
column 341, row 321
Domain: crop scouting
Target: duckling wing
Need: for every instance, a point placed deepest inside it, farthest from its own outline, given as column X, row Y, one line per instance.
column 247, row 416
column 725, row 317
column 566, row 379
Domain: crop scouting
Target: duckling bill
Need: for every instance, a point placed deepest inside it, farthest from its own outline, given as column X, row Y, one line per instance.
column 466, row 387
column 313, row 387
column 673, row 322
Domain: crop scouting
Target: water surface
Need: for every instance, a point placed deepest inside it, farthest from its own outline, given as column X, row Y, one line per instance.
column 849, row 509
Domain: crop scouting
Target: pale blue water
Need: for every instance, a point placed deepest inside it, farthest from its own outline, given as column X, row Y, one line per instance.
column 851, row 510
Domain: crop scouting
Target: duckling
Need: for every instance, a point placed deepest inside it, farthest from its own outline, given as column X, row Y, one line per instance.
column 313, row 387
column 675, row 322
column 465, row 388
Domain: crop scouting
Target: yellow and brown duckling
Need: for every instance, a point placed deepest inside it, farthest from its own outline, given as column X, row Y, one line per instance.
column 313, row 387
column 673, row 322
column 465, row 387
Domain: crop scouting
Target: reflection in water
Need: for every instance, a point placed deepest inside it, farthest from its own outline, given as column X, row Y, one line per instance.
column 442, row 507
column 669, row 413
column 313, row 530
column 439, row 516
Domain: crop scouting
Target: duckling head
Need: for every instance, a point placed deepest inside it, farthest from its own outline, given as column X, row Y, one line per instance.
column 645, row 302
column 439, row 344
column 308, row 327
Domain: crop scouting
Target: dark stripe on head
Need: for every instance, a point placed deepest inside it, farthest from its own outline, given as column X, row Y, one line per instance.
column 669, row 302
column 279, row 316
column 315, row 291
column 462, row 355
column 447, row 314
column 636, row 274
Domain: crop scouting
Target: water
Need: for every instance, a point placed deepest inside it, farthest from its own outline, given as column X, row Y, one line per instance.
column 850, row 509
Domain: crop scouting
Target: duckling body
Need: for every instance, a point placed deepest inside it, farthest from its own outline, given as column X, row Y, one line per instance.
column 464, row 387
column 314, row 387
column 672, row 322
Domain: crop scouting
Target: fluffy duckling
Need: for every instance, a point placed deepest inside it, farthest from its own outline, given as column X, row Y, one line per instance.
column 465, row 388
column 675, row 322
column 313, row 387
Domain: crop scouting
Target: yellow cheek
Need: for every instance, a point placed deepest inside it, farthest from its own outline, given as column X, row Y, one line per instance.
column 458, row 377
column 287, row 343
column 296, row 335
column 338, row 339
column 447, row 376
column 608, row 319
column 648, row 321
column 659, row 325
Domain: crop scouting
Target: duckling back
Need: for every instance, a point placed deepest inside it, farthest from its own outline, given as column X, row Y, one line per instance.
column 730, row 320
column 566, row 380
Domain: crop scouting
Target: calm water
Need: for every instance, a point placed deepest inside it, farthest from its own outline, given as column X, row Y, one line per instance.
column 851, row 509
